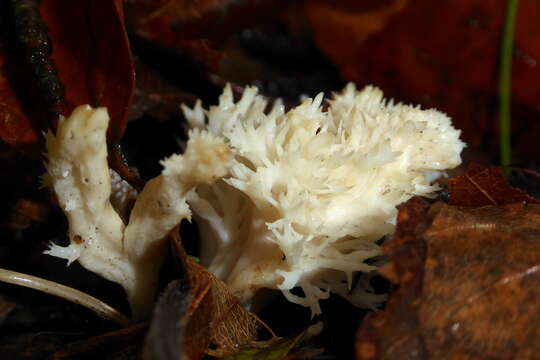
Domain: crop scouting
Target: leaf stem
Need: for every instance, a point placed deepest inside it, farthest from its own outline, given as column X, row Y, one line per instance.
column 505, row 86
column 78, row 297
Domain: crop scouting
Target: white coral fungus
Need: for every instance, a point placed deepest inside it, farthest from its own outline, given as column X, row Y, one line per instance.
column 130, row 255
column 310, row 191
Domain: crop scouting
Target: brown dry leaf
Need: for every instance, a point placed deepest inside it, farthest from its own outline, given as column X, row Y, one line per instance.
column 196, row 313
column 440, row 54
column 481, row 186
column 231, row 324
column 468, row 285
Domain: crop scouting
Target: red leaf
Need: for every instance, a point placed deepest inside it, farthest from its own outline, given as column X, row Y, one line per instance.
column 440, row 54
column 21, row 116
column 481, row 186
column 15, row 127
column 92, row 55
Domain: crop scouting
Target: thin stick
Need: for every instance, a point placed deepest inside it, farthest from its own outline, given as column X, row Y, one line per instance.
column 66, row 292
column 505, row 83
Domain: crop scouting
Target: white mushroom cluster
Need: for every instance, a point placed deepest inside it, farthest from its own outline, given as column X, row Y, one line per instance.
column 310, row 191
column 282, row 199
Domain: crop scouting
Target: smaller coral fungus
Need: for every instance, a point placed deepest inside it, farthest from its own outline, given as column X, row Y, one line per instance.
column 130, row 255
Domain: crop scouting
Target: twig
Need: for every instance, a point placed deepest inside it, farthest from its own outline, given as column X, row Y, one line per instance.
column 66, row 292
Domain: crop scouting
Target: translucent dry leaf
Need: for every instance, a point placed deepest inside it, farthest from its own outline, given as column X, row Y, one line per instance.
column 197, row 314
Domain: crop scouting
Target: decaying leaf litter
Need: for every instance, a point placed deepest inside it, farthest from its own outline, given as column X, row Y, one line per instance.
column 192, row 32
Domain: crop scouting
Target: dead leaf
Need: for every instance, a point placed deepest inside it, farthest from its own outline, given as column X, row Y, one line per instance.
column 70, row 54
column 155, row 21
column 468, row 281
column 166, row 20
column 441, row 54
column 481, row 186
column 339, row 24
column 92, row 55
column 197, row 313
column 198, row 28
